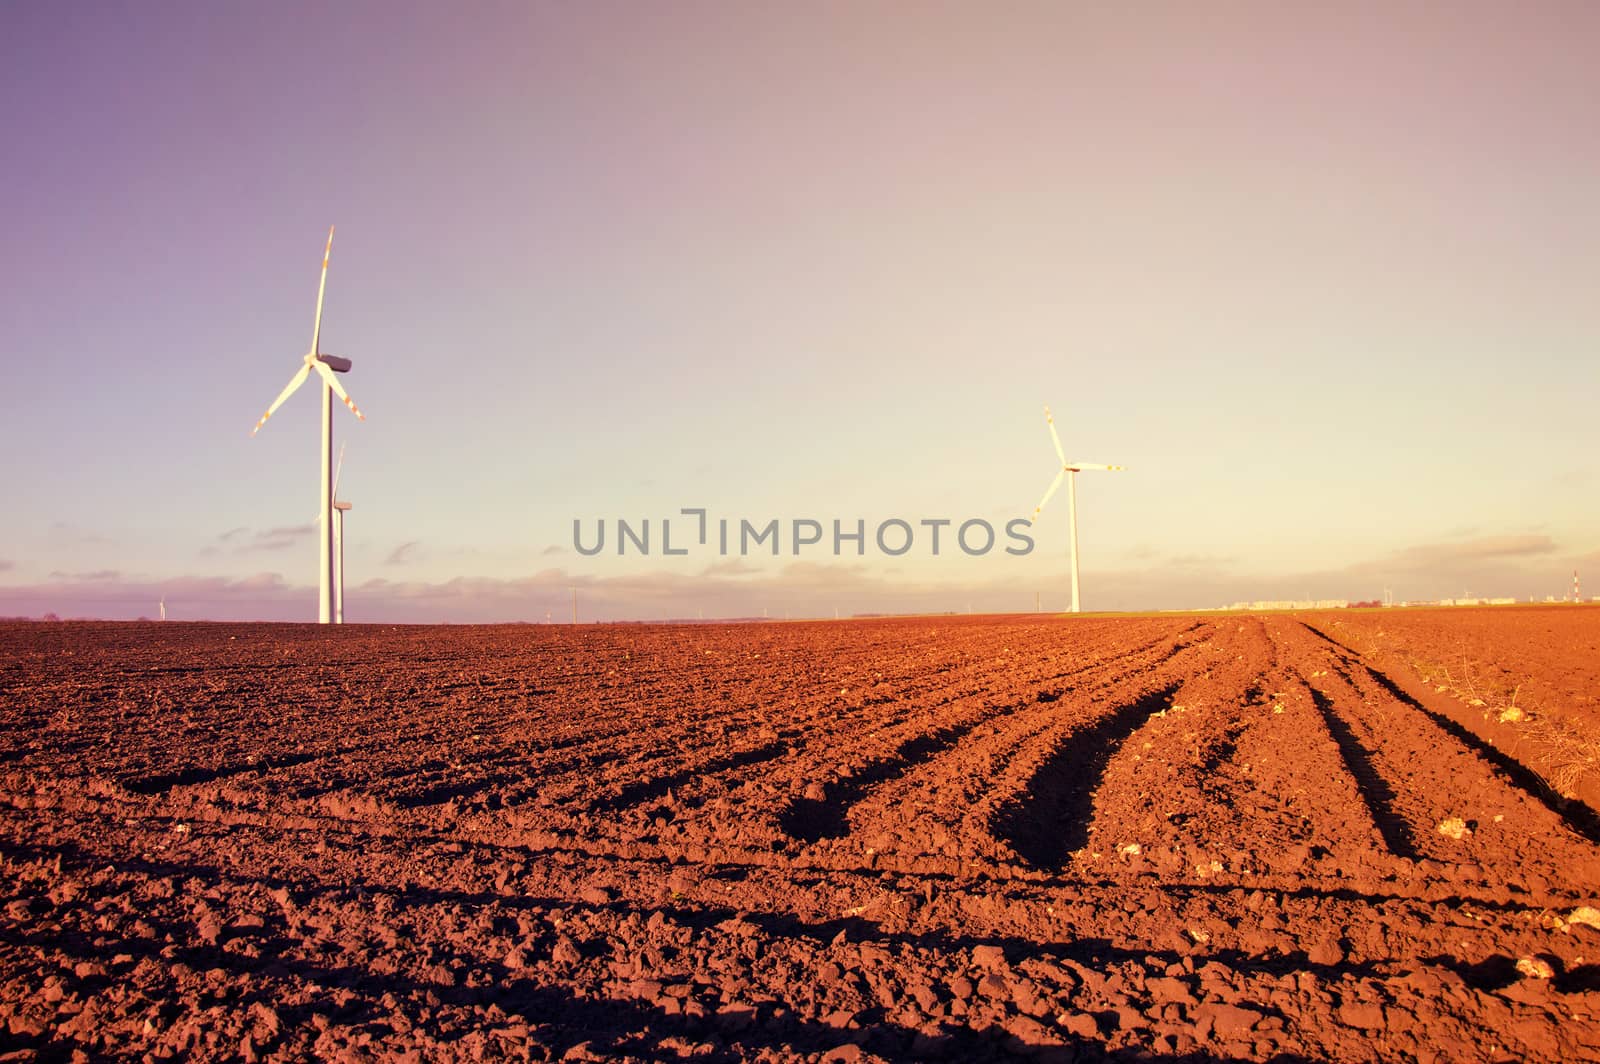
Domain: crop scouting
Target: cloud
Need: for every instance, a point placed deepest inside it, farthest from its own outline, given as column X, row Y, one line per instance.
column 1511, row 565
column 67, row 531
column 1578, row 560
column 6, row 566
column 1516, row 565
column 1484, row 547
column 404, row 553
column 1201, row 561
column 262, row 582
column 799, row 590
column 554, row 548
column 270, row 539
column 279, row 538
column 263, row 596
column 1502, row 566
column 731, row 567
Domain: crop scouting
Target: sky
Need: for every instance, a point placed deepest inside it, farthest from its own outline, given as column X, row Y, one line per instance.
column 1322, row 277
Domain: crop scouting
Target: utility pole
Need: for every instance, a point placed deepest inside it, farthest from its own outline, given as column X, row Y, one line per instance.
column 574, row 605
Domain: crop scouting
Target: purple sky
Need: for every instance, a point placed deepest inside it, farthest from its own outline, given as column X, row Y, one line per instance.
column 1324, row 279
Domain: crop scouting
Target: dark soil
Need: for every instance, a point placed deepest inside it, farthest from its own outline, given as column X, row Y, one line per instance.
column 1199, row 838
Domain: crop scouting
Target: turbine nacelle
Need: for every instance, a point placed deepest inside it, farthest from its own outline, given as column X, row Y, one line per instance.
column 333, row 362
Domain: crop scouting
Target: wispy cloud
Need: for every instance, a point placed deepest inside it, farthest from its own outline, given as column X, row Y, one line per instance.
column 1515, row 564
column 404, row 553
column 1508, row 565
column 731, row 567
column 108, row 594
column 6, row 566
column 1588, row 558
column 802, row 589
column 1202, row 561
column 262, row 582
column 1483, row 547
column 66, row 530
column 271, row 539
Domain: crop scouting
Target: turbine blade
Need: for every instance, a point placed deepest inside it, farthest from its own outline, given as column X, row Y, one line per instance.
column 1051, row 490
column 1048, row 420
column 316, row 329
column 338, row 389
column 294, row 382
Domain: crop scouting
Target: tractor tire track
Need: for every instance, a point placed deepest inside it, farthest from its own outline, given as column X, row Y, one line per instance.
column 1436, row 798
column 919, row 804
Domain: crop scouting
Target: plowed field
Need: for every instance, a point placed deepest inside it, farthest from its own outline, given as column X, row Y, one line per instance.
column 1200, row 837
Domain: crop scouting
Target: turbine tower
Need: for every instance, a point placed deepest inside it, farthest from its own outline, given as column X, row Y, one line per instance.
column 325, row 366
column 1069, row 472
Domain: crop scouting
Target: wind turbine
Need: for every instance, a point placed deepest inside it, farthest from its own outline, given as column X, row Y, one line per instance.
column 339, row 509
column 338, row 560
column 325, row 366
column 1069, row 473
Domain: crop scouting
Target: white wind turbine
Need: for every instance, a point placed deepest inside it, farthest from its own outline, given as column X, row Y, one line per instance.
column 1069, row 473
column 325, row 366
column 339, row 509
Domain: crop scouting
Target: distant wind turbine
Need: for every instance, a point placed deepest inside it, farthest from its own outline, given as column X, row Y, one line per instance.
column 325, row 366
column 1069, row 473
column 339, row 509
